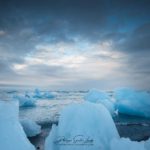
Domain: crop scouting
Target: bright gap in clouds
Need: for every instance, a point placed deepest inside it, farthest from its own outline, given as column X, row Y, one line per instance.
column 69, row 63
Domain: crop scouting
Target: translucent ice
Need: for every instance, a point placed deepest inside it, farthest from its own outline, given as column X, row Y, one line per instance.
column 25, row 101
column 131, row 102
column 43, row 95
column 88, row 126
column 12, row 136
column 30, row 127
column 96, row 96
column 85, row 126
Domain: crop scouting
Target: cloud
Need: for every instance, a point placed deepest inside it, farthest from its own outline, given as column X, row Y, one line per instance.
column 72, row 42
column 2, row 33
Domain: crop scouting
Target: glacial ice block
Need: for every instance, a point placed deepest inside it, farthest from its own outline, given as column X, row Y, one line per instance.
column 25, row 101
column 96, row 96
column 132, row 102
column 30, row 127
column 12, row 136
column 43, row 95
column 85, row 126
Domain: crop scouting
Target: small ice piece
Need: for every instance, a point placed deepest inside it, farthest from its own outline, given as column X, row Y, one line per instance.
column 43, row 95
column 27, row 94
column 25, row 101
column 12, row 136
column 48, row 95
column 132, row 102
column 30, row 127
column 37, row 94
column 85, row 126
column 96, row 96
column 126, row 144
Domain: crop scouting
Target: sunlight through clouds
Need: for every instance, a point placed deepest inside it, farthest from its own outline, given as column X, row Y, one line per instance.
column 94, row 61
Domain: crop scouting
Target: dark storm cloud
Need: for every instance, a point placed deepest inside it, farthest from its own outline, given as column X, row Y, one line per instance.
column 62, row 18
column 136, row 41
column 56, row 20
column 136, row 45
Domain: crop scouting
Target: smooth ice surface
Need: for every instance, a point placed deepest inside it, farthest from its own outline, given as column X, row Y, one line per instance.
column 43, row 95
column 96, row 96
column 126, row 144
column 12, row 136
column 84, row 126
column 132, row 102
column 30, row 127
column 25, row 101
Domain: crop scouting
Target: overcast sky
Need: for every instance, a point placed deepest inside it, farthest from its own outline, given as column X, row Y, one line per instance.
column 75, row 44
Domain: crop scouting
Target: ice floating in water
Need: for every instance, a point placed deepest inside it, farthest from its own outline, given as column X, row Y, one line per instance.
column 12, row 136
column 37, row 94
column 131, row 102
column 97, row 96
column 43, row 95
column 128, row 101
column 48, row 95
column 30, row 127
column 85, row 126
column 25, row 101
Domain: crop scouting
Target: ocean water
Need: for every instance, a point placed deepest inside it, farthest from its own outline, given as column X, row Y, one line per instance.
column 48, row 111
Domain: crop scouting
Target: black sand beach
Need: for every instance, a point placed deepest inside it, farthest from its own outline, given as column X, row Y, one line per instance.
column 135, row 128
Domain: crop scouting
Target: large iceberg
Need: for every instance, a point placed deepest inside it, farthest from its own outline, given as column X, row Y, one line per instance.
column 132, row 102
column 12, row 136
column 30, row 127
column 96, row 96
column 25, row 101
column 85, row 126
column 88, row 126
column 43, row 95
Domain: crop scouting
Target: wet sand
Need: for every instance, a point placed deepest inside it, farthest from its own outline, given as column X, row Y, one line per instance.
column 136, row 132
column 39, row 140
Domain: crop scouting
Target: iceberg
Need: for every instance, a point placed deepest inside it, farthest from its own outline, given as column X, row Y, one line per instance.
column 12, row 136
column 85, row 126
column 25, row 101
column 43, row 95
column 96, row 96
column 37, row 94
column 48, row 95
column 30, row 127
column 132, row 102
column 88, row 126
